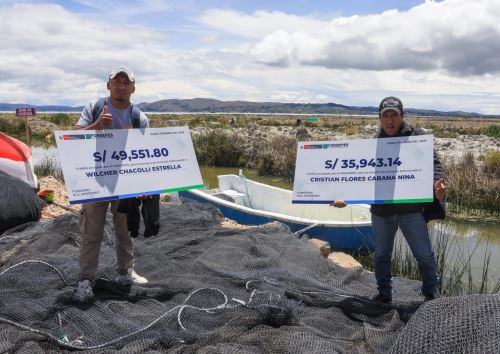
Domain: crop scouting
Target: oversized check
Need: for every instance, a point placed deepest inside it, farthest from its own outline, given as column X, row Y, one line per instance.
column 372, row 171
column 114, row 164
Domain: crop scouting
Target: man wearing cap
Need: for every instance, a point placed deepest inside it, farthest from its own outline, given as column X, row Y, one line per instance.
column 116, row 114
column 387, row 218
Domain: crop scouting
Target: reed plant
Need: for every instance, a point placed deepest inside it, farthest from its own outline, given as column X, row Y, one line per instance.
column 492, row 131
column 454, row 264
column 48, row 166
column 491, row 160
column 469, row 188
column 457, row 276
column 62, row 120
column 12, row 125
column 219, row 148
column 277, row 157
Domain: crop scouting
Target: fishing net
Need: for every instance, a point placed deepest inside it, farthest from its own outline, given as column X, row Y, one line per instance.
column 214, row 289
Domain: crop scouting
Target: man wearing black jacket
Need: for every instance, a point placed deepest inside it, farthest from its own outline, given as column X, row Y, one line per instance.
column 387, row 218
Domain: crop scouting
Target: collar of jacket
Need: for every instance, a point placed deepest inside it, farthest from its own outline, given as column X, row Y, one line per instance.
column 405, row 130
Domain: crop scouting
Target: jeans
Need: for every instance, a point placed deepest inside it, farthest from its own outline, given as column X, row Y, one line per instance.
column 414, row 229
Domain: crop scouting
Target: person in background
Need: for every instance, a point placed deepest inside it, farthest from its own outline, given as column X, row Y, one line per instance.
column 116, row 114
column 409, row 218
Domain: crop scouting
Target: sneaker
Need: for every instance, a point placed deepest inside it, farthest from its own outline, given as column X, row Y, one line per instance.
column 382, row 298
column 83, row 291
column 130, row 278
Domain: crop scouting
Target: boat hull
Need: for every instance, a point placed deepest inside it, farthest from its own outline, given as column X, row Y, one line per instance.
column 341, row 237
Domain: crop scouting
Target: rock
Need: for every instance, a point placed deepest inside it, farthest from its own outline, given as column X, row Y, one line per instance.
column 343, row 260
column 324, row 247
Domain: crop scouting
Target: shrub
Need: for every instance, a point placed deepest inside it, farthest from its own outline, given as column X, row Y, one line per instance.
column 469, row 188
column 219, row 148
column 493, row 131
column 48, row 167
column 60, row 119
column 351, row 130
column 277, row 157
column 492, row 161
column 195, row 122
column 12, row 125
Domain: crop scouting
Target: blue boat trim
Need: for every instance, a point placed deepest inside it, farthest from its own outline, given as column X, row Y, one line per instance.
column 341, row 237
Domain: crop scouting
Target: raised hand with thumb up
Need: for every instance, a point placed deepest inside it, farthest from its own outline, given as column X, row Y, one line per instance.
column 440, row 189
column 105, row 118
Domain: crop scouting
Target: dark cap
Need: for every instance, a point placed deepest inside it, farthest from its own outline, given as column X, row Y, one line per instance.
column 390, row 103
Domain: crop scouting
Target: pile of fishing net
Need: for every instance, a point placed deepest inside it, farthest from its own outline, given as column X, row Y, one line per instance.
column 220, row 290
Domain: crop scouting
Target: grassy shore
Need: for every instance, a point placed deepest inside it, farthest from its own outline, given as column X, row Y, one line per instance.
column 268, row 143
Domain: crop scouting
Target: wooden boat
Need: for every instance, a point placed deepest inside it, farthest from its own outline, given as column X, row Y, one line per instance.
column 253, row 203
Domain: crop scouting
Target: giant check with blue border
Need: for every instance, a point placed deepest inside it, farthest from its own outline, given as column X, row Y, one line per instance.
column 371, row 171
column 114, row 164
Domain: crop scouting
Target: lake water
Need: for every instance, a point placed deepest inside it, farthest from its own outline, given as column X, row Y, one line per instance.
column 471, row 240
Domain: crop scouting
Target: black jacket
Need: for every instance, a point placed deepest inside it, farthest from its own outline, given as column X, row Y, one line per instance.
column 150, row 213
column 394, row 209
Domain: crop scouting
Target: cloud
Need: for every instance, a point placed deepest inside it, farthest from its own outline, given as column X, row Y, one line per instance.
column 460, row 37
column 259, row 24
column 46, row 48
column 51, row 55
column 132, row 8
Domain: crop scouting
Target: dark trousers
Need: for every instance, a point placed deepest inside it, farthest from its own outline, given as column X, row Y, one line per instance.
column 150, row 214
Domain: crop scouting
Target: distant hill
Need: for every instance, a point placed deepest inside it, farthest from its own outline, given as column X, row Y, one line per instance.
column 12, row 107
column 207, row 105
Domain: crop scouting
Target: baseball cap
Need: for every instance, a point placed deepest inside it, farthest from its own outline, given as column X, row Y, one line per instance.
column 122, row 69
column 390, row 103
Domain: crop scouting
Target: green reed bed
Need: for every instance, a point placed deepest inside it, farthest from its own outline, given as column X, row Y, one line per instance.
column 273, row 156
column 276, row 157
column 48, row 167
column 219, row 148
column 41, row 126
column 471, row 187
column 455, row 265
column 454, row 260
column 11, row 125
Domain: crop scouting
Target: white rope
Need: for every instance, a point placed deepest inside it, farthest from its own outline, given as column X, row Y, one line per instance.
column 35, row 261
column 307, row 228
column 78, row 344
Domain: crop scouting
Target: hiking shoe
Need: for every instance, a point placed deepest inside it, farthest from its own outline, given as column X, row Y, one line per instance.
column 83, row 291
column 130, row 278
column 382, row 298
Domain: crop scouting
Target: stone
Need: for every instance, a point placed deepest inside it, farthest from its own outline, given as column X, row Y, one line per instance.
column 324, row 247
column 343, row 260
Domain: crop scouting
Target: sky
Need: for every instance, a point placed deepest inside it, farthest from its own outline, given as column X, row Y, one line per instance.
column 441, row 55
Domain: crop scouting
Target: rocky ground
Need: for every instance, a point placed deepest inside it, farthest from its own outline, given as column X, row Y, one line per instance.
column 61, row 204
column 447, row 148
